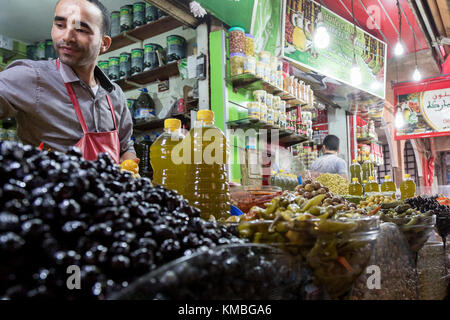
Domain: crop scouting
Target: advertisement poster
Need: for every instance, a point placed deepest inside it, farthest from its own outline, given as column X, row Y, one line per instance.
column 301, row 20
column 424, row 114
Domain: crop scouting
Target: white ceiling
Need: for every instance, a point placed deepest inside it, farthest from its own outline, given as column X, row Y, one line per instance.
column 31, row 20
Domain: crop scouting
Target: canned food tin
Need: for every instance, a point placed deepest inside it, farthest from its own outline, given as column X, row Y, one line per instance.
column 138, row 14
column 50, row 52
column 153, row 56
column 40, row 51
column 114, row 68
column 253, row 110
column 176, row 48
column 161, row 14
column 104, row 66
column 31, row 52
column 151, row 13
column 126, row 18
column 115, row 23
column 125, row 65
column 137, row 61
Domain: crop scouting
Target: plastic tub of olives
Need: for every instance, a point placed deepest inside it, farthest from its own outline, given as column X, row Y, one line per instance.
column 238, row 271
column 337, row 250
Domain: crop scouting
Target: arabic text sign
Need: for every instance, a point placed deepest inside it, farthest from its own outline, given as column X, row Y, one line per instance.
column 425, row 114
column 435, row 106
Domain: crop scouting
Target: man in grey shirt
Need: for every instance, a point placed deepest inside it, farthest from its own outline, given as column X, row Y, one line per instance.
column 34, row 92
column 329, row 162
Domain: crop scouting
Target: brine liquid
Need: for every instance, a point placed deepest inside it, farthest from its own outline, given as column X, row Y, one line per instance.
column 165, row 172
column 206, row 184
column 407, row 189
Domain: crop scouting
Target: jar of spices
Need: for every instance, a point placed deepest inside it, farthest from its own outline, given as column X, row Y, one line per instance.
column 253, row 110
column 236, row 64
column 263, row 112
column 237, row 40
column 260, row 69
column 267, row 71
column 250, row 64
column 264, row 57
column 260, row 96
column 249, row 45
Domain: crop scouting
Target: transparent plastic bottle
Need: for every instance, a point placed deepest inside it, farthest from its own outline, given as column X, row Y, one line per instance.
column 407, row 187
column 355, row 170
column 355, row 188
column 372, row 186
column 205, row 156
column 388, row 185
column 165, row 172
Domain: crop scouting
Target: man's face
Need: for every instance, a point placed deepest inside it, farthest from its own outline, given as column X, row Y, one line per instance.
column 76, row 32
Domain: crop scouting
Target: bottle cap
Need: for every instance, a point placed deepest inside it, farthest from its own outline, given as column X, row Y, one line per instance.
column 387, row 177
column 355, row 179
column 407, row 175
column 205, row 115
column 172, row 124
column 355, row 161
column 371, row 178
column 364, row 181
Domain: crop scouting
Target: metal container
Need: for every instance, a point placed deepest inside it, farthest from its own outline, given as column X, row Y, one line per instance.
column 125, row 65
column 50, row 52
column 40, row 51
column 138, row 14
column 31, row 52
column 115, row 23
column 161, row 14
column 126, row 18
column 151, row 13
column 137, row 61
column 104, row 66
column 153, row 56
column 176, row 48
column 114, row 68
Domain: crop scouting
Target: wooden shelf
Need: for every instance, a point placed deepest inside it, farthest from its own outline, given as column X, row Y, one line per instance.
column 146, row 77
column 252, row 82
column 144, row 32
column 159, row 123
column 286, row 138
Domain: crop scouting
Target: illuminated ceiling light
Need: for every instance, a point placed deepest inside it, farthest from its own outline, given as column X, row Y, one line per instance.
column 321, row 36
column 375, row 85
column 399, row 50
column 416, row 75
column 355, row 74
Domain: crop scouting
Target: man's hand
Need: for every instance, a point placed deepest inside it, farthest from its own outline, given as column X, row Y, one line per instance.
column 129, row 156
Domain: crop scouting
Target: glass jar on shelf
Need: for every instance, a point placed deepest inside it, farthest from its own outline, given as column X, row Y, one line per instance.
column 264, row 57
column 237, row 40
column 263, row 112
column 260, row 69
column 236, row 64
column 250, row 64
column 253, row 110
column 249, row 45
column 267, row 73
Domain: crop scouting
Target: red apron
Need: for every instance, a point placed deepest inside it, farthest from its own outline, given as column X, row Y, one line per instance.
column 94, row 143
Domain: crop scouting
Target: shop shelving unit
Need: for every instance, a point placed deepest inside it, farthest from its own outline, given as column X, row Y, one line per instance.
column 287, row 138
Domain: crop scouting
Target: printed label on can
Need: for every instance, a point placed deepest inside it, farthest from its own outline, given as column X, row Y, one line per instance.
column 126, row 17
column 138, row 14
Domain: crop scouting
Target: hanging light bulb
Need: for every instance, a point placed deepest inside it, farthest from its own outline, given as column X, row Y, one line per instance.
column 355, row 74
column 399, row 121
column 375, row 85
column 399, row 50
column 321, row 36
column 416, row 75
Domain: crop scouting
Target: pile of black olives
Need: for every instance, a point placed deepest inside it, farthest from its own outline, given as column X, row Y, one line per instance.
column 59, row 210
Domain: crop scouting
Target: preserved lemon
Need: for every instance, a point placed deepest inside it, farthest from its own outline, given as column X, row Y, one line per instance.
column 165, row 172
column 407, row 187
column 355, row 188
column 205, row 156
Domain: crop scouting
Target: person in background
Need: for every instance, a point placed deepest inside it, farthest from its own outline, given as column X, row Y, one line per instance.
column 330, row 162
